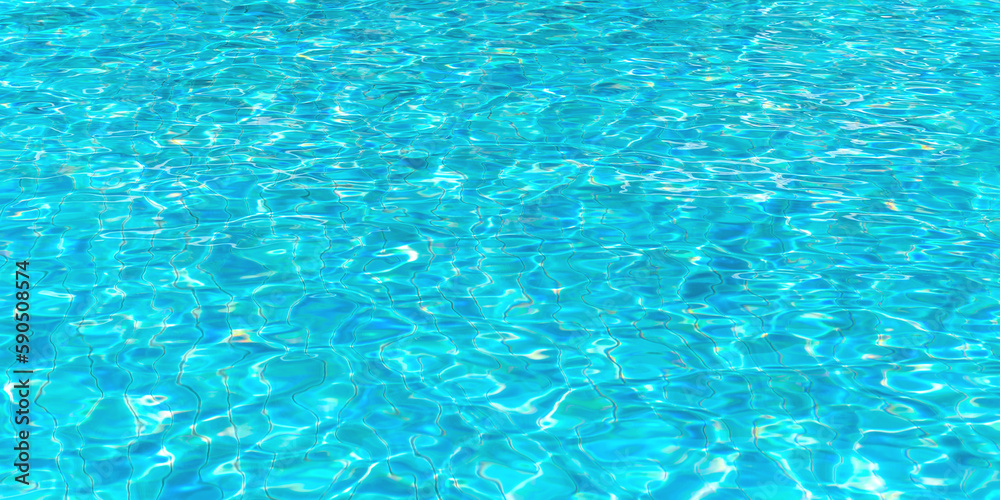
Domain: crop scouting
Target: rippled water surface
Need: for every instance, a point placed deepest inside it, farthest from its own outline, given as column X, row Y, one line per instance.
column 524, row 250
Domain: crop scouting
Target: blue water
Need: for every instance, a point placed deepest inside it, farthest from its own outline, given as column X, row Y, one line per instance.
column 521, row 250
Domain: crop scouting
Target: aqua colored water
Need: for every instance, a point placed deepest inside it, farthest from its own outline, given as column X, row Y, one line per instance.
column 487, row 250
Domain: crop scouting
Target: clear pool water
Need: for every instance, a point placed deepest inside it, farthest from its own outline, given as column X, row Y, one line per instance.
column 449, row 250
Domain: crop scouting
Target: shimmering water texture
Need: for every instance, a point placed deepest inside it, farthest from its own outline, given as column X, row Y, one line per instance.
column 506, row 250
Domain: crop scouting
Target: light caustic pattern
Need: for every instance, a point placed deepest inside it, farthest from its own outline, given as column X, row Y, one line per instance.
column 707, row 250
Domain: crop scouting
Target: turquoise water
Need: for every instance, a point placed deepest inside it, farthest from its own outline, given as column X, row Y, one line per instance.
column 587, row 250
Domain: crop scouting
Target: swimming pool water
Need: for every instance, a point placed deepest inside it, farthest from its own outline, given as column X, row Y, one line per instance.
column 588, row 250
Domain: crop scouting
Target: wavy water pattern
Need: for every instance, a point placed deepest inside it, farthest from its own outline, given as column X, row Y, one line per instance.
column 506, row 249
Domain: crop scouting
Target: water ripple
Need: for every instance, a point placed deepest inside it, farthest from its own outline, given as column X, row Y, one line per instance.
column 506, row 249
